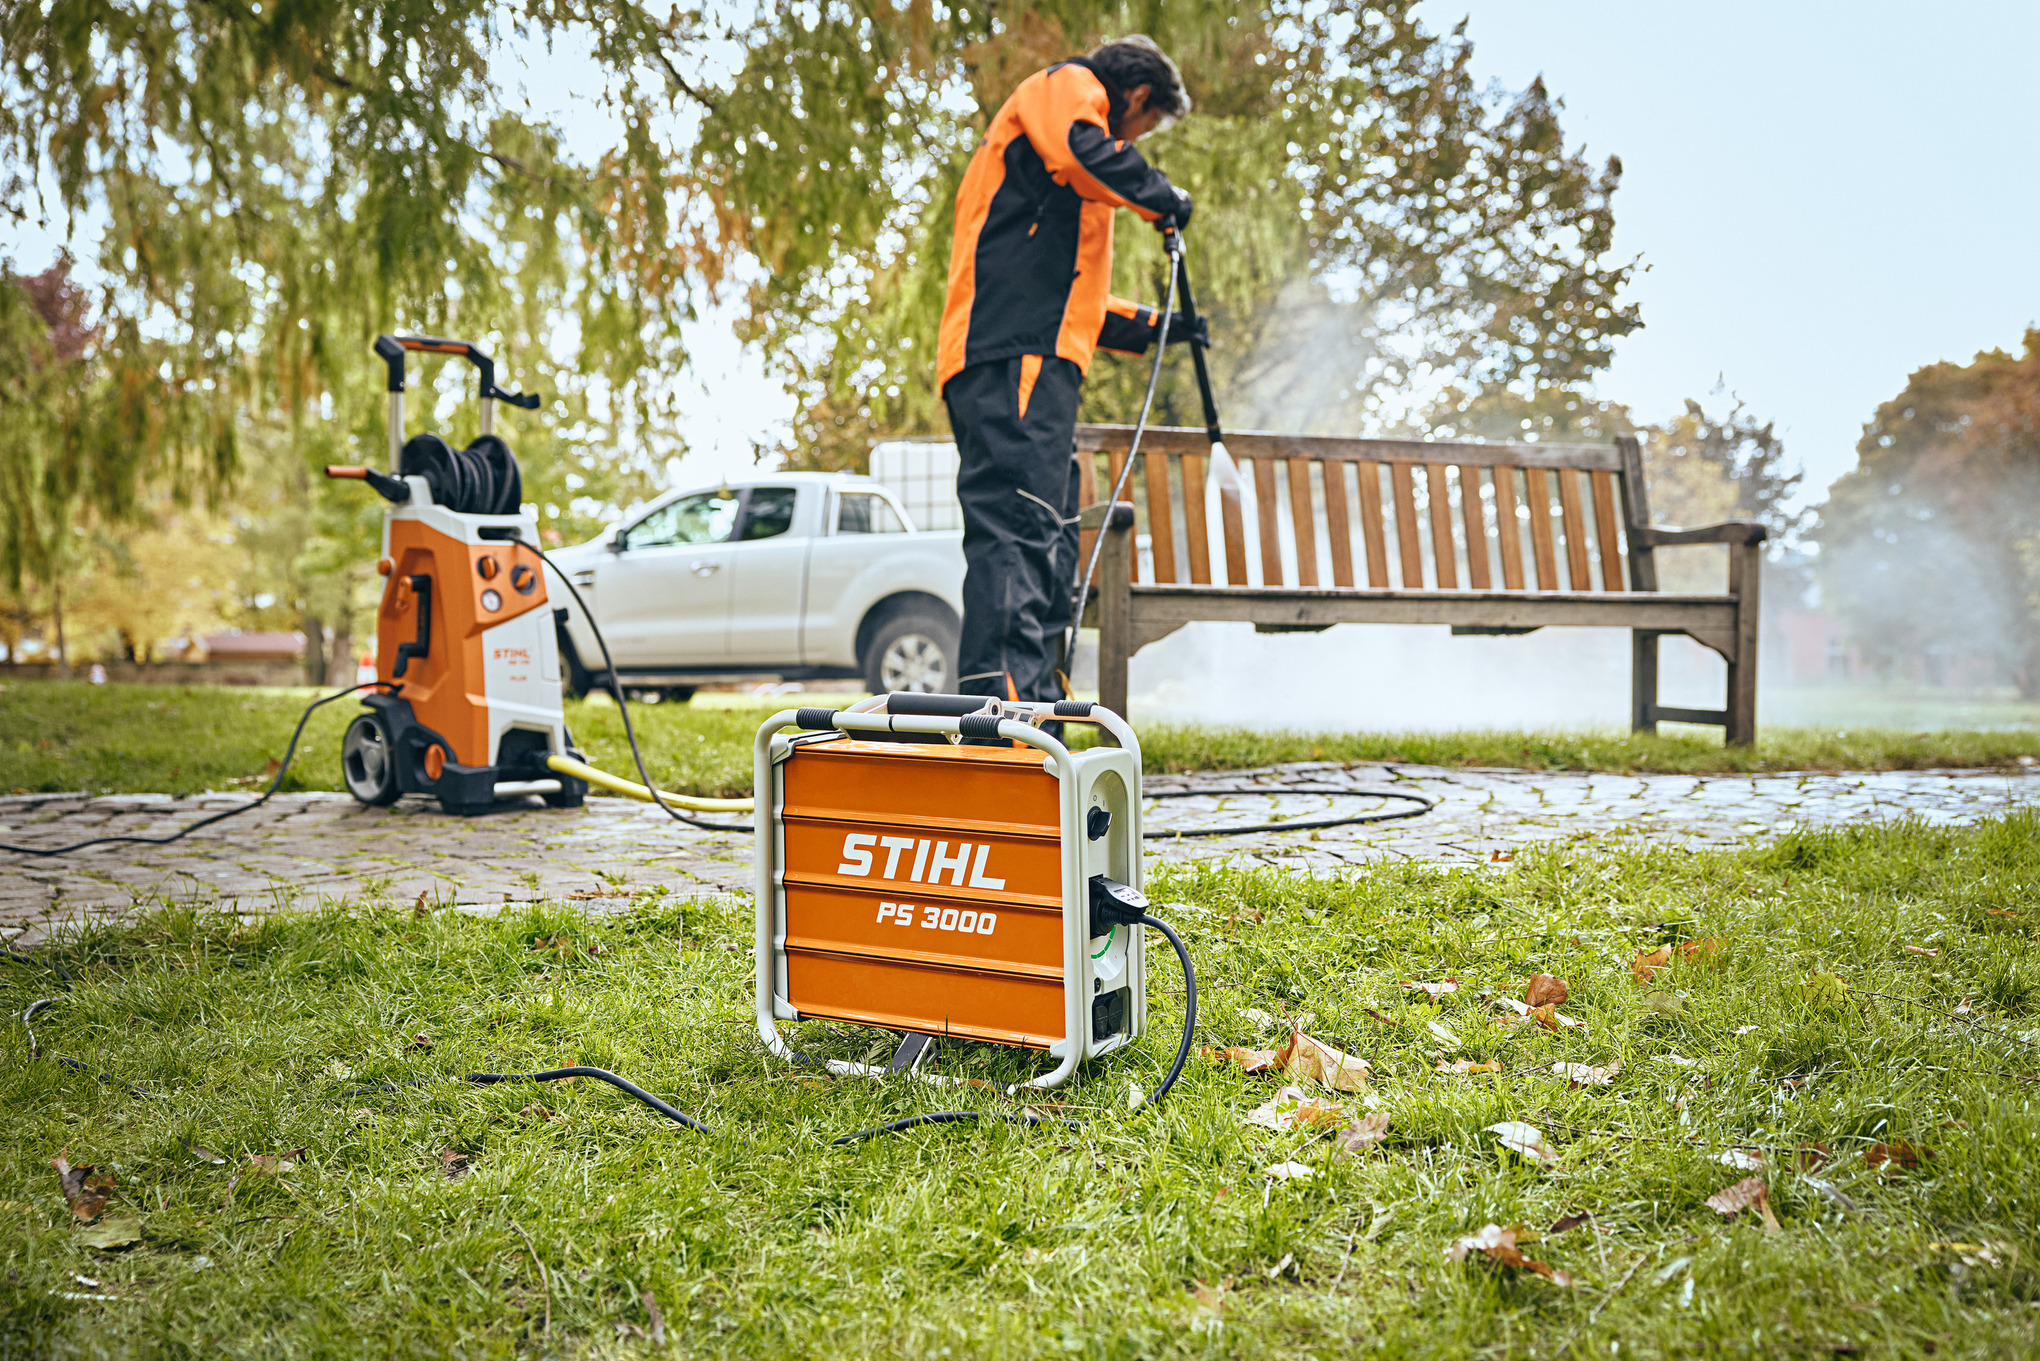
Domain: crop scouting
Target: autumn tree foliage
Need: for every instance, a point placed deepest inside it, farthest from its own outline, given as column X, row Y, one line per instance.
column 1933, row 540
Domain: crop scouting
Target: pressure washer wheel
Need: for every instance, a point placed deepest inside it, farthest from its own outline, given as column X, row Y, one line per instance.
column 368, row 761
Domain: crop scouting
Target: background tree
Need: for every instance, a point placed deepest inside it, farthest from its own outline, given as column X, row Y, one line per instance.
column 1369, row 223
column 1932, row 542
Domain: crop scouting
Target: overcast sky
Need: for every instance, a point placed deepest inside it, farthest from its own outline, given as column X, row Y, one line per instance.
column 1825, row 196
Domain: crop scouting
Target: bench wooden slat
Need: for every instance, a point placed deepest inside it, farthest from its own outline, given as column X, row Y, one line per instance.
column 1442, row 556
column 1508, row 534
column 1233, row 525
column 1303, row 520
column 1337, row 525
column 1194, row 525
column 1578, row 574
column 1538, row 493
column 1475, row 519
column 1264, row 514
column 1604, row 530
column 1375, row 541
column 1404, row 483
column 1161, row 517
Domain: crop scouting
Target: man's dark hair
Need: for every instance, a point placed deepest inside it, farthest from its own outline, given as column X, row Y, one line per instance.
column 1134, row 60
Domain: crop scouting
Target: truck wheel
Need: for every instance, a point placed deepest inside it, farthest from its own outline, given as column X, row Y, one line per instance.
column 912, row 652
column 368, row 761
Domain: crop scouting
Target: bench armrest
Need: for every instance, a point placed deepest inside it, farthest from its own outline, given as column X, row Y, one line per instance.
column 1093, row 516
column 1743, row 532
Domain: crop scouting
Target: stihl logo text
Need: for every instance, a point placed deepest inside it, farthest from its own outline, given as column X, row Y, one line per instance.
column 929, row 860
column 962, row 921
column 514, row 655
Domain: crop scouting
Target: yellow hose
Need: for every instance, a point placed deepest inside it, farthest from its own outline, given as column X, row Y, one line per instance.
column 567, row 765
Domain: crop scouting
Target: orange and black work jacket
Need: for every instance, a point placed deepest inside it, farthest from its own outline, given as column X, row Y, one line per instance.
column 1032, row 256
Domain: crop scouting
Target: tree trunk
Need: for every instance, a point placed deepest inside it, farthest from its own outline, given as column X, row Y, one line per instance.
column 340, row 657
column 314, row 659
column 57, row 614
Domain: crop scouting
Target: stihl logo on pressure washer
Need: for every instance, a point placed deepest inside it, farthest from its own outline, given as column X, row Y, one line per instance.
column 930, row 860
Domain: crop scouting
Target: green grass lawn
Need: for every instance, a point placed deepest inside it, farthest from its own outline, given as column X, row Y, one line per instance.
column 1870, row 986
column 168, row 739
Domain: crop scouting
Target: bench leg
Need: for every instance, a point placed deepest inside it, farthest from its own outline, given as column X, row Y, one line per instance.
column 1745, row 572
column 1115, row 619
column 1643, row 690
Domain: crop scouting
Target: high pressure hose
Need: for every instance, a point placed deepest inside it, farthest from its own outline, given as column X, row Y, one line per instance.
column 179, row 835
column 650, row 792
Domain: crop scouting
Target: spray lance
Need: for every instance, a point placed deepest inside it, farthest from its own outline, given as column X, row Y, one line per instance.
column 1223, row 473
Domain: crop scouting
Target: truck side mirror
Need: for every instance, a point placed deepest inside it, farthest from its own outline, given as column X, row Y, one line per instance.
column 619, row 540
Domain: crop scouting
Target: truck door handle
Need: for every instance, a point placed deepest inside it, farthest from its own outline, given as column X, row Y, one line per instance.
column 704, row 569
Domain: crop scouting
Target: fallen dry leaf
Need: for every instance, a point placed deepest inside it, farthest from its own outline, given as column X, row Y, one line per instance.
column 1500, row 1245
column 452, row 1162
column 1547, row 1016
column 1443, row 1034
column 1920, row 950
column 109, row 1234
column 1744, row 1030
column 1544, row 991
column 1993, row 1254
column 1209, row 1303
column 1566, row 1223
column 1731, row 1200
column 1385, row 1020
column 1289, row 1171
column 1469, row 1066
column 1588, row 1075
column 1700, row 951
column 419, row 1042
column 201, row 1152
column 1741, row 1159
column 1302, row 1057
column 1433, row 990
column 1288, row 1261
column 85, row 1188
column 1527, row 1140
column 1962, row 1008
column 1649, row 962
column 1259, row 1017
column 1824, row 989
column 658, row 1320
column 1249, row 1060
column 418, row 909
column 1897, row 1155
column 1369, row 1133
column 1294, row 1108
column 1314, row 1059
column 2003, row 912
column 269, row 1164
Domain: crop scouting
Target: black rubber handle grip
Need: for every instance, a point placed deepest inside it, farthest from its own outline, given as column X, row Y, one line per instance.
column 932, row 706
column 1073, row 708
column 815, row 720
column 978, row 725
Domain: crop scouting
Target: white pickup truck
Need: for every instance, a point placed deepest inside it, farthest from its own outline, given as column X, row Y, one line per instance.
column 800, row 576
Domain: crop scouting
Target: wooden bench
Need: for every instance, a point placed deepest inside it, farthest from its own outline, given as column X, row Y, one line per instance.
column 1488, row 538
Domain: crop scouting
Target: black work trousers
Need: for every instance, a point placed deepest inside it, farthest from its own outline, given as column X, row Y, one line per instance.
column 1016, row 422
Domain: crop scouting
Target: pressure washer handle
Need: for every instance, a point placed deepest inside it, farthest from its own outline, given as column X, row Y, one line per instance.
column 392, row 349
column 1188, row 307
column 393, row 489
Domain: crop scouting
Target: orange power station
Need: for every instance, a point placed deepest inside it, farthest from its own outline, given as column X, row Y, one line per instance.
column 468, row 708
column 907, row 882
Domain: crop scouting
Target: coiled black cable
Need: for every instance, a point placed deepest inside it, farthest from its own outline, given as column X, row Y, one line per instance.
column 179, row 835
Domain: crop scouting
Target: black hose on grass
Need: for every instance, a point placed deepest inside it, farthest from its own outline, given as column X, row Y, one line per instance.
column 622, row 1084
column 274, row 785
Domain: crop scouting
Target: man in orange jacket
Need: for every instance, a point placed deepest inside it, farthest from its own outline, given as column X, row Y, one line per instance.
column 1027, row 303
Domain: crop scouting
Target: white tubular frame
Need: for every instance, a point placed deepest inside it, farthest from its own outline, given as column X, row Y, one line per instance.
column 868, row 715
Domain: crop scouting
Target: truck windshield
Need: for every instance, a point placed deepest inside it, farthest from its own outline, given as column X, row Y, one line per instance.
column 704, row 518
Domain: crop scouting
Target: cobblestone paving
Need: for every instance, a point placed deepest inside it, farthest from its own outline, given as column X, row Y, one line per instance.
column 300, row 850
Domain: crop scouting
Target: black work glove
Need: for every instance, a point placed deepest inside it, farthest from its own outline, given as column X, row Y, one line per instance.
column 1180, row 217
column 1182, row 328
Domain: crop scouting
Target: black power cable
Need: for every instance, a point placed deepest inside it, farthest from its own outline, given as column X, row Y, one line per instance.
column 623, row 707
column 622, row 1084
column 274, row 785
